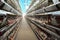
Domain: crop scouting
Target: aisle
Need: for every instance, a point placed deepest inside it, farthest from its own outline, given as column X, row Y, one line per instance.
column 25, row 32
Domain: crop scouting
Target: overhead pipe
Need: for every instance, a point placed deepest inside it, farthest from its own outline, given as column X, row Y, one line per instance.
column 37, row 1
column 9, row 6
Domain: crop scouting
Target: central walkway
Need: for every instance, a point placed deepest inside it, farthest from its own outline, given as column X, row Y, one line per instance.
column 25, row 32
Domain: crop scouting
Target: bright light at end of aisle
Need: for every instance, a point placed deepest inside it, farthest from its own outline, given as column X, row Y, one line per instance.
column 24, row 15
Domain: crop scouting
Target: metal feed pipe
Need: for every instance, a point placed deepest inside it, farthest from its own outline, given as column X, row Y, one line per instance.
column 10, row 7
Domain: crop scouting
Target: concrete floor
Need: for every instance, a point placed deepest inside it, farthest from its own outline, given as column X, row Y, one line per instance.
column 25, row 32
